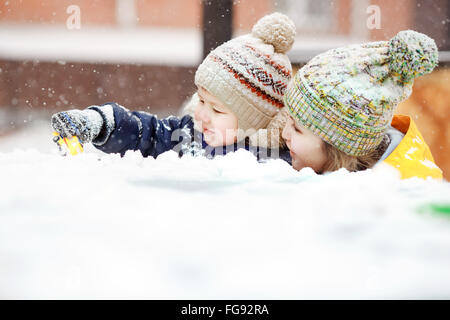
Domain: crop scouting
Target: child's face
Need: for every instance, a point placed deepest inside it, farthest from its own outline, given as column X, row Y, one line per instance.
column 307, row 149
column 218, row 123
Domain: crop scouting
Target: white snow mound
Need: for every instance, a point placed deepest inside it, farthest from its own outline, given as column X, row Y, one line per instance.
column 102, row 226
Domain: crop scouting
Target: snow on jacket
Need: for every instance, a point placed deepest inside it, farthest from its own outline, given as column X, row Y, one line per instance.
column 409, row 153
column 124, row 130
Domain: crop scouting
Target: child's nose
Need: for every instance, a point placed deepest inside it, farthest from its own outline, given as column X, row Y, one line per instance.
column 286, row 133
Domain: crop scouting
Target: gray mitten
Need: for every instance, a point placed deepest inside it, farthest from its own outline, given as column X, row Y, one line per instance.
column 85, row 124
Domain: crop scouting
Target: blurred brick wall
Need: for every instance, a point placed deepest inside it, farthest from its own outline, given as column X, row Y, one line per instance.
column 395, row 16
column 342, row 16
column 157, row 13
column 53, row 86
column 173, row 13
column 247, row 12
column 433, row 19
column 427, row 16
column 100, row 12
column 187, row 13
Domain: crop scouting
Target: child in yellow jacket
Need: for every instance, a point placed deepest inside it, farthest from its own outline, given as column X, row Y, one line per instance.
column 341, row 108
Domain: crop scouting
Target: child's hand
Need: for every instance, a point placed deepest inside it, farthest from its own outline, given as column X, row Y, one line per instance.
column 85, row 124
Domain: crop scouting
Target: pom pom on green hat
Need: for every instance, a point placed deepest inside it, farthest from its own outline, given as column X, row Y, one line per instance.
column 413, row 54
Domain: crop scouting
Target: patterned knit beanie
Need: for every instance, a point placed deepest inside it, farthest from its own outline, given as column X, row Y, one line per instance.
column 348, row 96
column 249, row 74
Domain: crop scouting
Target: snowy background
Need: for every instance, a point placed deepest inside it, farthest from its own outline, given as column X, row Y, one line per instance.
column 101, row 226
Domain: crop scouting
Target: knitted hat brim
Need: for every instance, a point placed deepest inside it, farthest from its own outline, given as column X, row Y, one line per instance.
column 229, row 91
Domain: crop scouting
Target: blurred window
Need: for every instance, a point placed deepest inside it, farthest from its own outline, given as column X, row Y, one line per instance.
column 309, row 14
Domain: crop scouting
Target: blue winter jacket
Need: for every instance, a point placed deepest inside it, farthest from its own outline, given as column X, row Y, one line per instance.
column 124, row 130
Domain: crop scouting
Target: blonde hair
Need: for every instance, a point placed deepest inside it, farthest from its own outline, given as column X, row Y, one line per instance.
column 337, row 159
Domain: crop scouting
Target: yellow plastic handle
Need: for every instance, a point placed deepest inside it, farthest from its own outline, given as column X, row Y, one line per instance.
column 73, row 145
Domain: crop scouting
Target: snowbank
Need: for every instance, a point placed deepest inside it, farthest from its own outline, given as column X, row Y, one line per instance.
column 101, row 226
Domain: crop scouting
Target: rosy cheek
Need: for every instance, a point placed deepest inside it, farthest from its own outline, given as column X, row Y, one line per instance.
column 196, row 113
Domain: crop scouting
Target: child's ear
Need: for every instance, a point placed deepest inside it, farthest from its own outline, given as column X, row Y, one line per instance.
column 267, row 138
column 270, row 137
column 275, row 129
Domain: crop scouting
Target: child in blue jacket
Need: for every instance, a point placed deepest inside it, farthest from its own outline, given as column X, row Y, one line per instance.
column 240, row 90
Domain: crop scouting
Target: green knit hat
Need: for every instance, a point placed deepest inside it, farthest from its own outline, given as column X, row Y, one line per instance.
column 348, row 96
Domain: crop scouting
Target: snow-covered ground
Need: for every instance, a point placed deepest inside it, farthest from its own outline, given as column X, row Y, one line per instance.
column 101, row 226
